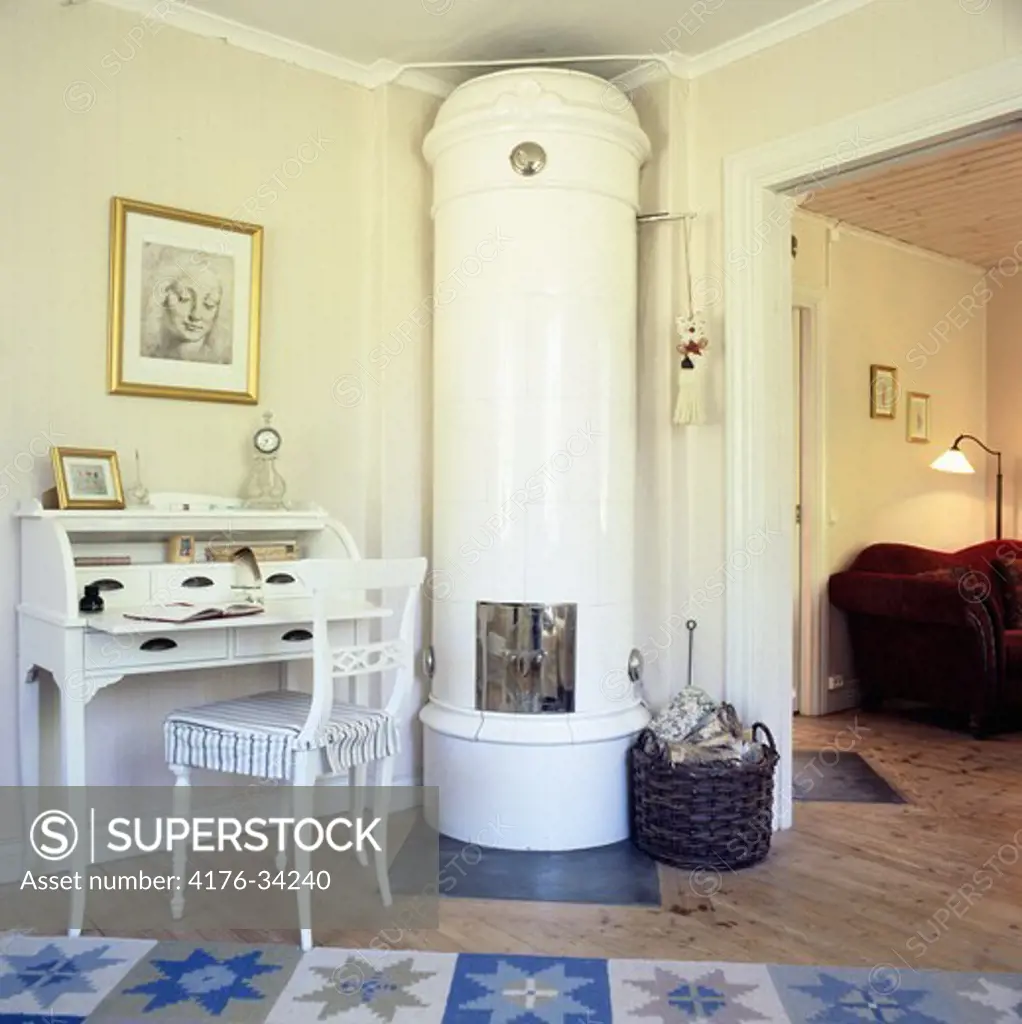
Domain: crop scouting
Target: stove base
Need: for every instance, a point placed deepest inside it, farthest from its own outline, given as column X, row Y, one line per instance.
column 530, row 782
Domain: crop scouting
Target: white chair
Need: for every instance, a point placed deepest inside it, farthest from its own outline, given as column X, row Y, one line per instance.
column 287, row 735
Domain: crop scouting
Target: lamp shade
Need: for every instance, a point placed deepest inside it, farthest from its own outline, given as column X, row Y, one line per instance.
column 952, row 461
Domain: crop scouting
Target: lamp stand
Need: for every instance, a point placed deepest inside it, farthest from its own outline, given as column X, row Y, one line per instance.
column 999, row 498
column 999, row 493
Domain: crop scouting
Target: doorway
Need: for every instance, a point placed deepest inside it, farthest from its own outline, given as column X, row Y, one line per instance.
column 759, row 443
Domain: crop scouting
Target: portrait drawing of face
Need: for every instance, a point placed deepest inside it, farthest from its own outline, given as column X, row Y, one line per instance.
column 184, row 315
column 191, row 302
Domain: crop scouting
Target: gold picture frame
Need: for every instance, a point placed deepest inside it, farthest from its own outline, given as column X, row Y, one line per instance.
column 917, row 417
column 883, row 392
column 87, row 478
column 185, row 299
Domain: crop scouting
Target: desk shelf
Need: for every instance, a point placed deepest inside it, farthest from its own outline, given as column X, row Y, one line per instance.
column 166, row 517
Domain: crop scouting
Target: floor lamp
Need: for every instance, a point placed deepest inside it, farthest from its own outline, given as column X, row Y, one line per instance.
column 954, row 461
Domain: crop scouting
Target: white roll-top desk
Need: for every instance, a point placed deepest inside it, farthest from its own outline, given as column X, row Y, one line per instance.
column 85, row 652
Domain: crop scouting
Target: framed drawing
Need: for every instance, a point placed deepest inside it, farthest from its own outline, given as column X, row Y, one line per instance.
column 918, row 407
column 184, row 304
column 883, row 392
column 87, row 478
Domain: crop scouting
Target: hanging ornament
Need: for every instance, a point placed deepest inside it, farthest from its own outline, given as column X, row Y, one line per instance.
column 690, row 406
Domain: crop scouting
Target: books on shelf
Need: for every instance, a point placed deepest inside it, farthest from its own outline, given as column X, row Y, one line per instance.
column 264, row 551
column 183, row 611
column 89, row 560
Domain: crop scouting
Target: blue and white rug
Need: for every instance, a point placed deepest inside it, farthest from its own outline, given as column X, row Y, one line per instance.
column 64, row 981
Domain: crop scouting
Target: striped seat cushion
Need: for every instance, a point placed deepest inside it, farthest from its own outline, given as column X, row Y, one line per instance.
column 258, row 735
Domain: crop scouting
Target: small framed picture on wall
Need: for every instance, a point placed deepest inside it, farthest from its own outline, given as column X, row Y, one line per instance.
column 883, row 392
column 918, row 417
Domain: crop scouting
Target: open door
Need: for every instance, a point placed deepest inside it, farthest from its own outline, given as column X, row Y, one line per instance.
column 798, row 624
column 809, row 602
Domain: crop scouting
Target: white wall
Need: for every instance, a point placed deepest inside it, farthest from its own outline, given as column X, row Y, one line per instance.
column 98, row 104
column 883, row 306
column 663, row 188
column 402, row 354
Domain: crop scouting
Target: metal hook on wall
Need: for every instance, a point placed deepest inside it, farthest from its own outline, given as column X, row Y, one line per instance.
column 663, row 217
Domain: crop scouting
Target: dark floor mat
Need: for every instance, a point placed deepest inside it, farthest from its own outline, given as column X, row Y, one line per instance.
column 831, row 775
column 618, row 875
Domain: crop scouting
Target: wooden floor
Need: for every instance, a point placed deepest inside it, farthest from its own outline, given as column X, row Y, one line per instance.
column 932, row 884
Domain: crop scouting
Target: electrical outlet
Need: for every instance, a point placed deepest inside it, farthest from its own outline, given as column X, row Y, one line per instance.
column 835, row 682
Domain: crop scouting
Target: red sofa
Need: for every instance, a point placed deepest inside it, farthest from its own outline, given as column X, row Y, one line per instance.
column 941, row 628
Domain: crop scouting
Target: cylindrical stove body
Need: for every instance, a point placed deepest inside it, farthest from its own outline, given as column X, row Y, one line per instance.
column 536, row 177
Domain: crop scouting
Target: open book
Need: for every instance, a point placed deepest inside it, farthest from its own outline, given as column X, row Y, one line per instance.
column 182, row 611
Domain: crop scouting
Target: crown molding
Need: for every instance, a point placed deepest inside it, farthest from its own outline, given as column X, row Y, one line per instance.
column 838, row 229
column 388, row 72
column 180, row 15
column 789, row 27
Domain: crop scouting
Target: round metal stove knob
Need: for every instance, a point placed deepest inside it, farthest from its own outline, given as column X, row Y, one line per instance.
column 528, row 159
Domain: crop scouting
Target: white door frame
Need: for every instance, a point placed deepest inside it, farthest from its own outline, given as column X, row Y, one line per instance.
column 759, row 432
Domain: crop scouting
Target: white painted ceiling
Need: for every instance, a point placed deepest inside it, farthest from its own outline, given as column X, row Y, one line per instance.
column 412, row 31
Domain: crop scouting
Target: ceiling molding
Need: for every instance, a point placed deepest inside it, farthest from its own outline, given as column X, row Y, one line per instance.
column 383, row 72
column 837, row 229
column 780, row 31
column 387, row 72
column 213, row 26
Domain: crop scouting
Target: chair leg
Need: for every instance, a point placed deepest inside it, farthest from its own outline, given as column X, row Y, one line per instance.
column 182, row 800
column 305, row 775
column 357, row 781
column 282, row 810
column 381, row 808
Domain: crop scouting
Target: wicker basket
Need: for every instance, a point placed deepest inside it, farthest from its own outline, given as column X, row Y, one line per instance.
column 702, row 815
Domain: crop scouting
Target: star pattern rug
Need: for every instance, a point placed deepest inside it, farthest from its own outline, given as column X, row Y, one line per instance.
column 67, row 981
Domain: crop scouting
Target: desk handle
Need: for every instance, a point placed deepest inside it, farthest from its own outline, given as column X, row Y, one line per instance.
column 197, row 581
column 158, row 643
column 296, row 635
column 280, row 577
column 107, row 584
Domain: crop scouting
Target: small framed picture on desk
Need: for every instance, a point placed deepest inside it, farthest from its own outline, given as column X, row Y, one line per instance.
column 87, row 478
column 181, row 548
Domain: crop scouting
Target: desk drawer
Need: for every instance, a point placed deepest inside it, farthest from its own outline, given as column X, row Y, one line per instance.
column 119, row 586
column 294, row 638
column 197, row 584
column 282, row 579
column 139, row 650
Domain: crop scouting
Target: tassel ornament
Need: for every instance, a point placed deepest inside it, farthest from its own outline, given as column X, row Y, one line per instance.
column 690, row 406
